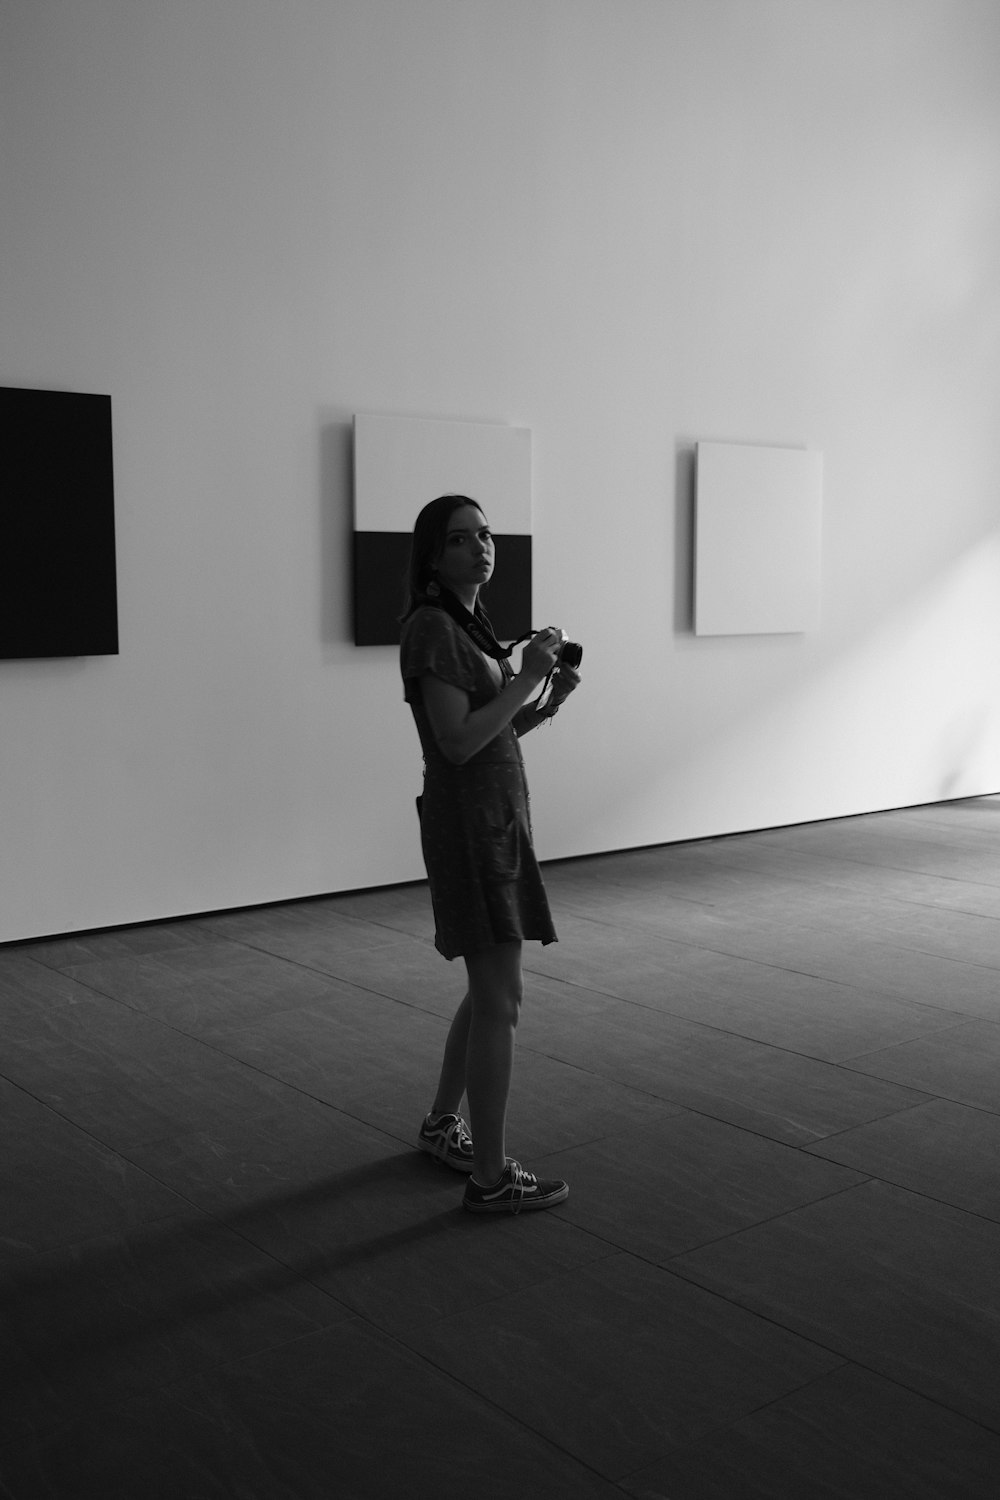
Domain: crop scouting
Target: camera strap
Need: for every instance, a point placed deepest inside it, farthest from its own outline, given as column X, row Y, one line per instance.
column 477, row 628
column 480, row 632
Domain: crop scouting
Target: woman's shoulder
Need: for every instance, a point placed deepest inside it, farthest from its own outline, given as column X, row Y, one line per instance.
column 424, row 613
column 427, row 622
column 432, row 642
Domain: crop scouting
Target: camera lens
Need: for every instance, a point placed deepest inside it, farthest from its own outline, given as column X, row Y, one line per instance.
column 571, row 654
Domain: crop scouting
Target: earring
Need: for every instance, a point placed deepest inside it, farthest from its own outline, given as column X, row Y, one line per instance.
column 433, row 589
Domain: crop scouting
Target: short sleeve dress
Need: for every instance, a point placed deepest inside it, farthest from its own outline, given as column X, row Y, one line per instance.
column 475, row 819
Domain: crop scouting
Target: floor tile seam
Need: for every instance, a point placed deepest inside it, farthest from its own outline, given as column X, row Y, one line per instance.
column 441, row 1368
column 948, row 911
column 904, row 1109
column 843, row 1356
column 905, row 825
column 185, row 983
column 805, row 1146
column 547, row 1055
column 684, row 1107
column 202, row 921
column 724, row 902
column 885, row 1263
column 594, row 988
column 184, row 1204
column 613, row 1248
column 958, row 1021
column 903, row 947
column 720, row 1239
column 830, row 1062
column 872, row 1176
column 292, row 1088
column 179, row 1385
column 352, row 983
column 294, row 1278
column 679, row 1109
column 297, row 1089
column 908, row 906
column 229, row 1221
column 218, row 1041
column 719, row 1119
column 847, row 985
column 91, row 1136
column 955, row 1018
column 805, row 928
column 216, row 924
column 842, row 879
column 409, row 1005
column 398, row 931
column 813, row 1147
column 795, row 835
column 717, row 1430
column 671, row 1268
column 848, row 1362
column 546, row 1278
column 383, row 994
column 313, row 968
column 155, row 1019
column 320, row 1003
column 902, row 900
column 217, row 1046
column 678, row 1106
column 805, row 849
column 922, row 872
column 571, row 984
column 201, row 1371
column 620, row 921
column 963, row 1019
column 724, row 951
column 98, row 994
column 944, row 1095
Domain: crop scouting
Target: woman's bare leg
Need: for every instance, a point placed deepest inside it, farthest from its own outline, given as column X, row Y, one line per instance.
column 451, row 1084
column 496, row 988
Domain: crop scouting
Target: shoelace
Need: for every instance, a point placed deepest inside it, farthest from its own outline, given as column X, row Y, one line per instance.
column 521, row 1182
column 458, row 1136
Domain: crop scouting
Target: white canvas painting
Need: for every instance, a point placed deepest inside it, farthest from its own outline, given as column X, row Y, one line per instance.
column 758, row 515
column 402, row 462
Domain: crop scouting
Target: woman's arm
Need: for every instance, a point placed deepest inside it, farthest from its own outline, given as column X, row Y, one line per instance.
column 528, row 718
column 462, row 731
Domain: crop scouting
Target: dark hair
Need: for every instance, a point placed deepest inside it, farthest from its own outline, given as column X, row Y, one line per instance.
column 429, row 532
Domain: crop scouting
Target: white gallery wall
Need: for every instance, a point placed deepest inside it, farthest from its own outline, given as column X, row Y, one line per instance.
column 628, row 225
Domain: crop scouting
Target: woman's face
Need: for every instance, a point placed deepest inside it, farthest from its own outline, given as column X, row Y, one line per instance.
column 466, row 558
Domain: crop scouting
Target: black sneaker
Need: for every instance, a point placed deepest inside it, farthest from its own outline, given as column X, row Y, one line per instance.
column 447, row 1139
column 514, row 1190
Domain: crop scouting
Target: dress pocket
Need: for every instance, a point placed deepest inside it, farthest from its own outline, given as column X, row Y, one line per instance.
column 500, row 848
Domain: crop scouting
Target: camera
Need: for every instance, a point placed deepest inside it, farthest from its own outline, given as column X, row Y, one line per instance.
column 570, row 652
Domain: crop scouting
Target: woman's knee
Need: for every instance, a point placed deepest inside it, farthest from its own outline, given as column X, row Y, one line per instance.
column 499, row 1003
column 514, row 998
column 496, row 983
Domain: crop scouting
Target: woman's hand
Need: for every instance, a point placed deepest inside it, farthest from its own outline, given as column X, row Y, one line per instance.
column 540, row 655
column 566, row 681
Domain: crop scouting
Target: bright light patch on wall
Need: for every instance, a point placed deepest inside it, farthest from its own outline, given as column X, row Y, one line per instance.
column 758, row 515
column 400, row 463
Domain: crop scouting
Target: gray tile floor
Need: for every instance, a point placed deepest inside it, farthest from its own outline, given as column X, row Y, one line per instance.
column 768, row 1065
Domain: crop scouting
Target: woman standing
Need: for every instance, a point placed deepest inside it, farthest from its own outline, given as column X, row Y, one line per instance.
column 486, row 888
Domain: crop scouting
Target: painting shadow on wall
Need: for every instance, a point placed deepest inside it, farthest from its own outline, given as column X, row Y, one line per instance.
column 684, row 503
column 336, row 524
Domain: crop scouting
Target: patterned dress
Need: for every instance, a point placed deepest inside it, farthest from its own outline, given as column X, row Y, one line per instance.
column 475, row 821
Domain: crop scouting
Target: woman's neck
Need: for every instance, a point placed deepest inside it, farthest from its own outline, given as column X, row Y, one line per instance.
column 468, row 597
